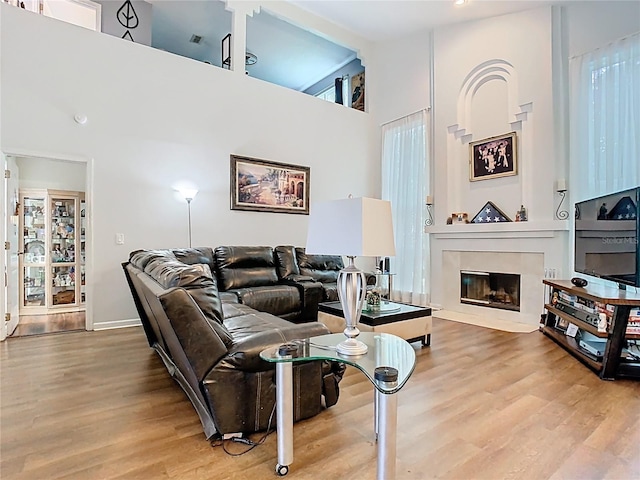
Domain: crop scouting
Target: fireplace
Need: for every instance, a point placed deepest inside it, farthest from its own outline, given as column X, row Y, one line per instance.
column 487, row 289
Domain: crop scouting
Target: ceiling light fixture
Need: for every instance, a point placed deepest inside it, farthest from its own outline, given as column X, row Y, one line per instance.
column 250, row 59
column 460, row 2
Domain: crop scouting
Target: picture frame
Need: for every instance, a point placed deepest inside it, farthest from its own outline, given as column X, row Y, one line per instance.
column 561, row 324
column 266, row 186
column 493, row 157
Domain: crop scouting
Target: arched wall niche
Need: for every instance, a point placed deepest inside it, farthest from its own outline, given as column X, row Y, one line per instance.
column 461, row 133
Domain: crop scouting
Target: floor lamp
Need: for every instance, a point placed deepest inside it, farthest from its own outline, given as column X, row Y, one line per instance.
column 189, row 195
column 353, row 227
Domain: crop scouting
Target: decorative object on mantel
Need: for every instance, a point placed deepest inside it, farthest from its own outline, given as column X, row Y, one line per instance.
column 490, row 214
column 461, row 217
column 429, row 203
column 493, row 157
column 625, row 209
column 521, row 215
column 561, row 188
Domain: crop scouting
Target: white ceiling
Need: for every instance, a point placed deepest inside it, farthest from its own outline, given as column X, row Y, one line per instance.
column 295, row 58
column 379, row 20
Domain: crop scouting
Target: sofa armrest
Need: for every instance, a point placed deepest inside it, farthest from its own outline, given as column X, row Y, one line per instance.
column 245, row 354
column 199, row 339
column 310, row 296
column 299, row 278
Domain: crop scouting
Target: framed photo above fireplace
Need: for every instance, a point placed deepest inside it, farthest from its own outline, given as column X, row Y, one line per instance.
column 493, row 157
column 265, row 186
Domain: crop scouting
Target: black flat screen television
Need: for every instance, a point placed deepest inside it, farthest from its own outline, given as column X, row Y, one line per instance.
column 607, row 231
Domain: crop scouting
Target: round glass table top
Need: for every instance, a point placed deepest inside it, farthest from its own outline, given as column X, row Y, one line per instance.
column 384, row 350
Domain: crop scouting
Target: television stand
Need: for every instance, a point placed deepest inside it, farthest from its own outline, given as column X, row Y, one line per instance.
column 599, row 311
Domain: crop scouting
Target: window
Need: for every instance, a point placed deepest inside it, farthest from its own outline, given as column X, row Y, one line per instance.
column 605, row 119
column 405, row 180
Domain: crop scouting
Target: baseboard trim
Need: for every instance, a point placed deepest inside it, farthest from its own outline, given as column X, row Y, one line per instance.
column 131, row 322
column 485, row 321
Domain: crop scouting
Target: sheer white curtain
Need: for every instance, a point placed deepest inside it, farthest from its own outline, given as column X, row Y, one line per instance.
column 605, row 119
column 405, row 184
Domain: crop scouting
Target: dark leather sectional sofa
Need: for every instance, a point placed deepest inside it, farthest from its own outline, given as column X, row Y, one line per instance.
column 209, row 313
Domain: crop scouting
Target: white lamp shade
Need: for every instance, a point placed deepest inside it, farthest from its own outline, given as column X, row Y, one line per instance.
column 353, row 227
column 188, row 193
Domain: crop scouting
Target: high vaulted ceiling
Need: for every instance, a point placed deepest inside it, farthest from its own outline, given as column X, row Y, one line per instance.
column 379, row 20
column 295, row 58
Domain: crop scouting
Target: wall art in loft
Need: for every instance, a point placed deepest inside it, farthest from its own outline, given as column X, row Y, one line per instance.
column 128, row 19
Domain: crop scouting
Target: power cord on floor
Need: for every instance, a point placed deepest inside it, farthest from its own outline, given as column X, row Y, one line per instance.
column 245, row 441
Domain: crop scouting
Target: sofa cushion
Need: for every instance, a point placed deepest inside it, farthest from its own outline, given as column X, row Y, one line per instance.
column 191, row 256
column 196, row 279
column 286, row 260
column 231, row 310
column 330, row 292
column 140, row 258
column 243, row 267
column 255, row 332
column 323, row 268
column 275, row 299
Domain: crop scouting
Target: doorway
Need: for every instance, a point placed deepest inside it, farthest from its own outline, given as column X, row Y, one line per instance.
column 52, row 227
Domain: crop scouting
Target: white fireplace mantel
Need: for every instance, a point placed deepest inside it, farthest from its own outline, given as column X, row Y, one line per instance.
column 499, row 229
column 529, row 248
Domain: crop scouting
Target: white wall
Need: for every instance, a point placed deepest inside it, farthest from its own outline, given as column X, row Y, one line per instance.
column 156, row 119
column 398, row 77
column 520, row 44
column 536, row 44
column 52, row 174
column 591, row 25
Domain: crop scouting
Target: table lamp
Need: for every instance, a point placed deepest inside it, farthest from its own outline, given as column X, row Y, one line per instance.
column 353, row 227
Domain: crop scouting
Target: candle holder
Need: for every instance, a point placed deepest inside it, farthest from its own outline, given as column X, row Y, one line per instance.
column 561, row 214
column 429, row 203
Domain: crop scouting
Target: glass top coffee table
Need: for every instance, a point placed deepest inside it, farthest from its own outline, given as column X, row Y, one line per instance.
column 388, row 364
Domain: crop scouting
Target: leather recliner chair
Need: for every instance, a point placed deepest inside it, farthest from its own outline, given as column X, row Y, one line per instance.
column 252, row 274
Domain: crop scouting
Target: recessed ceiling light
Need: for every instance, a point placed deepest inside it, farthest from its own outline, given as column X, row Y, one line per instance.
column 460, row 2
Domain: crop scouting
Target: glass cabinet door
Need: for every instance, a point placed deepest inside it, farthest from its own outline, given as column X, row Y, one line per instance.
column 34, row 251
column 83, row 243
column 63, row 251
column 63, row 291
column 63, row 235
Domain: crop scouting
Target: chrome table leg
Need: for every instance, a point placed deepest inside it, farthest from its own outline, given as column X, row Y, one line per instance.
column 284, row 416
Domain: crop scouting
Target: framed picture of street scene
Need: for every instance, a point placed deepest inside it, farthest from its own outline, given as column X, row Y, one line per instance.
column 493, row 157
column 265, row 186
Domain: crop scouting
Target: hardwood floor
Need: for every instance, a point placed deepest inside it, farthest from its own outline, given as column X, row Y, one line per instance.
column 481, row 404
column 53, row 323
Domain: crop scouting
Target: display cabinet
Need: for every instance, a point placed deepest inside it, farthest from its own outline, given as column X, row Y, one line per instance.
column 33, row 249
column 52, row 270
column 596, row 324
column 83, row 246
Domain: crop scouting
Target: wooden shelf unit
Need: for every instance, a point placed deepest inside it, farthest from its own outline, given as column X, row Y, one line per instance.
column 611, row 365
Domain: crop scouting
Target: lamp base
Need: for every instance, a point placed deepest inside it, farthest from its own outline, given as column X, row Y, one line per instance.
column 351, row 346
